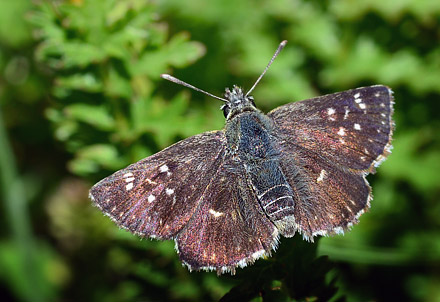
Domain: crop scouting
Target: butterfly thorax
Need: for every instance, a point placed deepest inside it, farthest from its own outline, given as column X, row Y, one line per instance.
column 237, row 102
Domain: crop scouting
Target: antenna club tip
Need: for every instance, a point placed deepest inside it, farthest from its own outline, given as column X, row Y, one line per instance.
column 165, row 76
column 283, row 43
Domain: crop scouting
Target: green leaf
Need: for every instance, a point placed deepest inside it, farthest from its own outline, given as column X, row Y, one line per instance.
column 78, row 54
column 117, row 86
column 178, row 52
column 12, row 15
column 105, row 155
column 181, row 53
column 82, row 166
column 84, row 82
column 412, row 162
column 96, row 116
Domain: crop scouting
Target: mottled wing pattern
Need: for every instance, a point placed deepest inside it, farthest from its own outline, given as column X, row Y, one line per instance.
column 229, row 228
column 327, row 199
column 193, row 192
column 328, row 145
column 157, row 196
column 352, row 129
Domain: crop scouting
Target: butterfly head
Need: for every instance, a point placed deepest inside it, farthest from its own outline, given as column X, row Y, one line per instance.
column 237, row 101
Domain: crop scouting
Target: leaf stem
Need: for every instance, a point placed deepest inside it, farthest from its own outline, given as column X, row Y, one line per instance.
column 16, row 212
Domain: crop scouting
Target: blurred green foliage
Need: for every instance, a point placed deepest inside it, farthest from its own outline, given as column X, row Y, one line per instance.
column 81, row 97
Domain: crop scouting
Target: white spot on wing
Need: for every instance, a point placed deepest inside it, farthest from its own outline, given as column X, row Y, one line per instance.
column 341, row 131
column 215, row 213
column 357, row 95
column 151, row 198
column 331, row 111
column 321, row 176
column 129, row 174
column 129, row 186
column 129, row 179
column 164, row 168
column 169, row 191
column 346, row 113
column 362, row 106
column 357, row 127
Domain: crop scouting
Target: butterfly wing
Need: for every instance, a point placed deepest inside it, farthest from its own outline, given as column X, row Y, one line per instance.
column 327, row 199
column 328, row 145
column 157, row 196
column 351, row 128
column 194, row 192
column 229, row 228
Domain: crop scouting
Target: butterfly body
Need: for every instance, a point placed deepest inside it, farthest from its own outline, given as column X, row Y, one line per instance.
column 252, row 143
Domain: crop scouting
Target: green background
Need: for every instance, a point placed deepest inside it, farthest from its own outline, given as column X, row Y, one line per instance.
column 81, row 97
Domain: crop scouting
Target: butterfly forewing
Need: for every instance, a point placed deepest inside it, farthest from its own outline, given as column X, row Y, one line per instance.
column 158, row 195
column 351, row 129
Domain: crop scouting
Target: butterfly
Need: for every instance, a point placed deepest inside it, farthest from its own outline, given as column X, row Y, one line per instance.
column 225, row 197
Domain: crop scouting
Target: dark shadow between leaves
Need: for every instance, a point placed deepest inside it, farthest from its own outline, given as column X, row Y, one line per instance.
column 293, row 273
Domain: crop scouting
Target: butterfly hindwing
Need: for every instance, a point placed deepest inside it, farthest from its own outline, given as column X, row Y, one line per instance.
column 352, row 128
column 229, row 228
column 328, row 200
column 157, row 196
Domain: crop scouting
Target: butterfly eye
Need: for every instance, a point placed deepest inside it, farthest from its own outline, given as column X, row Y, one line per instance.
column 252, row 100
column 225, row 109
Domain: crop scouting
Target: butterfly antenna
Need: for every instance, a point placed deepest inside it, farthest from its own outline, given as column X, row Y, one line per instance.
column 177, row 81
column 280, row 47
